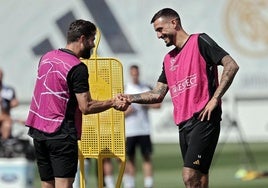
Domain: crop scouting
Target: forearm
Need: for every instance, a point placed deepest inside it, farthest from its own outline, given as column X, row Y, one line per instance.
column 229, row 71
column 95, row 106
column 14, row 103
column 150, row 97
column 144, row 98
column 89, row 106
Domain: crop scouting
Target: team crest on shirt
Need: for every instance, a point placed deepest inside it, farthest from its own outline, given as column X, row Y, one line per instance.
column 173, row 67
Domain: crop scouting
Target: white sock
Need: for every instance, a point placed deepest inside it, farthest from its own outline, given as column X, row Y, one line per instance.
column 128, row 181
column 148, row 182
column 109, row 181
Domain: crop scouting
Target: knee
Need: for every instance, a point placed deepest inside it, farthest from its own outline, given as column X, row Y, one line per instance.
column 191, row 177
column 6, row 121
column 147, row 158
column 191, row 181
column 131, row 159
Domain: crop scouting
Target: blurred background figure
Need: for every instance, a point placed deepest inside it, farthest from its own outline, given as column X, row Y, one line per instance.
column 8, row 101
column 108, row 180
column 138, row 131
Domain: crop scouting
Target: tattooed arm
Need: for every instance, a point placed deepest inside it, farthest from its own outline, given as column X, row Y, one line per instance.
column 89, row 106
column 230, row 69
column 156, row 95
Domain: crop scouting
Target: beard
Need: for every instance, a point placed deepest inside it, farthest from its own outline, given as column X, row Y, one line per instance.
column 86, row 53
column 169, row 44
column 169, row 41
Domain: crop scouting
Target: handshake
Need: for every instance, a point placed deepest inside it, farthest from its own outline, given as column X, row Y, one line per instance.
column 121, row 102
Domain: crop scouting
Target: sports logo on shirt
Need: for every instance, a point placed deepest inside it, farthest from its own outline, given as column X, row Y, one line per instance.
column 173, row 67
column 182, row 85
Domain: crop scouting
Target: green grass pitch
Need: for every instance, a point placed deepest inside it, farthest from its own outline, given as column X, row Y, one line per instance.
column 228, row 160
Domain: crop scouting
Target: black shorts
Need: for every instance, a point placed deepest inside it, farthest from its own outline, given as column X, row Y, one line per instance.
column 144, row 142
column 198, row 140
column 56, row 158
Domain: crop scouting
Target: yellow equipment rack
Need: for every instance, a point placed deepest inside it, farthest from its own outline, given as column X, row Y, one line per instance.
column 103, row 134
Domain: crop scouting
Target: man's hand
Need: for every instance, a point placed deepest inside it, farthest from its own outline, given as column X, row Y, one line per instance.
column 120, row 103
column 205, row 114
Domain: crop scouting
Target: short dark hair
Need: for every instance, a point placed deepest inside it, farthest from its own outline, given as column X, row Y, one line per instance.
column 134, row 66
column 78, row 28
column 166, row 12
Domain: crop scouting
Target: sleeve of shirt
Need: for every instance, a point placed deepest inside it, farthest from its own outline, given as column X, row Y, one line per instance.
column 13, row 94
column 162, row 78
column 79, row 79
column 210, row 50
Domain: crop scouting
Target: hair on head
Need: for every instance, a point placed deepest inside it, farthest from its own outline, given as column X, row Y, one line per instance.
column 167, row 13
column 78, row 28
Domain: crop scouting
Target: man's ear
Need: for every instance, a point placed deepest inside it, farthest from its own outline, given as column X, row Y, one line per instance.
column 81, row 39
column 175, row 23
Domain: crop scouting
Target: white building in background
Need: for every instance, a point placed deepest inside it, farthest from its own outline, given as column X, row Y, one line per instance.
column 29, row 28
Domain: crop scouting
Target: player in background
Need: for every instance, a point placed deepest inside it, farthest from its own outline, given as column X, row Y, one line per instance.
column 138, row 131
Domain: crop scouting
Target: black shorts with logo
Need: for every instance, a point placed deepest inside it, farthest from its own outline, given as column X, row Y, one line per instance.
column 56, row 158
column 198, row 140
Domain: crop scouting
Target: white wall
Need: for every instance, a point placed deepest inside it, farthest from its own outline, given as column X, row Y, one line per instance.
column 238, row 26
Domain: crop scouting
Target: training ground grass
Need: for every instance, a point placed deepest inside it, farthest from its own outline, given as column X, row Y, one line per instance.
column 228, row 160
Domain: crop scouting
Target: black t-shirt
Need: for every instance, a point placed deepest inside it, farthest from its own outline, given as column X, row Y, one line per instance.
column 77, row 80
column 7, row 94
column 212, row 54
